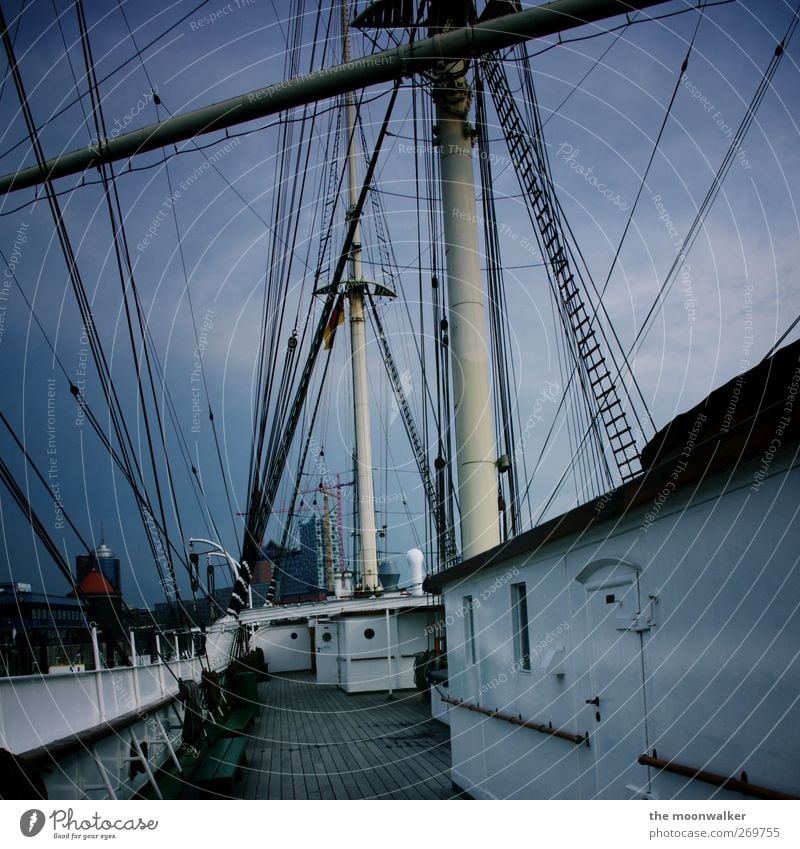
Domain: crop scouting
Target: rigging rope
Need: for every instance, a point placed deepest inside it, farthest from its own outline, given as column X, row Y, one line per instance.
column 716, row 183
column 643, row 181
column 95, row 345
column 128, row 284
column 269, row 474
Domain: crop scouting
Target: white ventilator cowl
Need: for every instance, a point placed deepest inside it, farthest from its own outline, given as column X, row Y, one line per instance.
column 416, row 560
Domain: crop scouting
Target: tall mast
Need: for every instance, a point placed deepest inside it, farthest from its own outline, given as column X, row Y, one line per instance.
column 358, row 346
column 475, row 454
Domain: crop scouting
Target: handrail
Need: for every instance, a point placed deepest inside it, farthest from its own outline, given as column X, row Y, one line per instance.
column 724, row 781
column 518, row 720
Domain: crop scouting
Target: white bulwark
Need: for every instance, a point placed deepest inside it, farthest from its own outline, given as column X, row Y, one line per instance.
column 645, row 645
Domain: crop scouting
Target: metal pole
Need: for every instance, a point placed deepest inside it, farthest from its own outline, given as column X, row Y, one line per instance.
column 402, row 61
column 389, row 650
column 135, row 671
column 98, row 676
column 146, row 764
column 358, row 345
column 160, row 662
column 103, row 774
column 469, row 351
column 170, row 747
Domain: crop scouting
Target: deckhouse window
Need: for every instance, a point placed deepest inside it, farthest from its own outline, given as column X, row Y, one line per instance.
column 522, row 640
column 469, row 631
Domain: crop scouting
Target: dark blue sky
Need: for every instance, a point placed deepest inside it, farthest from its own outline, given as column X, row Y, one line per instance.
column 739, row 293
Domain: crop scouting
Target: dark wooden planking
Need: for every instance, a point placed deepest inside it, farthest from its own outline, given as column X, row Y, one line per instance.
column 317, row 742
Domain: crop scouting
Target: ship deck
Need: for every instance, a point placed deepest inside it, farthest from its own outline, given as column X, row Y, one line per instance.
column 312, row 741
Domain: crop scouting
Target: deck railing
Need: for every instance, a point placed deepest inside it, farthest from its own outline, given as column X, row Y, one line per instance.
column 37, row 709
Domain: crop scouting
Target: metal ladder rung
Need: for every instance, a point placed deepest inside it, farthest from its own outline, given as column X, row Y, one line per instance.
column 595, row 365
column 578, row 326
column 598, row 361
column 615, row 419
column 602, row 410
column 600, row 379
column 588, row 353
column 578, row 308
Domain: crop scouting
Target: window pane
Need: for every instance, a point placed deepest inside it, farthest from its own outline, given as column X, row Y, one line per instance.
column 469, row 630
column 522, row 643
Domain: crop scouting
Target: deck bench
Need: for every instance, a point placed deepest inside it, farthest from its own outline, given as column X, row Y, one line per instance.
column 237, row 722
column 222, row 763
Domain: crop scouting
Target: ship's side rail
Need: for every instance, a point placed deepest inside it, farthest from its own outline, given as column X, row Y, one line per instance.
column 36, row 710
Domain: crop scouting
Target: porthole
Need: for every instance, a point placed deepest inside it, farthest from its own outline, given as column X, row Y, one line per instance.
column 294, row 635
column 327, row 637
column 369, row 633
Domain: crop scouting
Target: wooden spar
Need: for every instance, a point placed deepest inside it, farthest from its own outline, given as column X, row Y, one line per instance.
column 399, row 62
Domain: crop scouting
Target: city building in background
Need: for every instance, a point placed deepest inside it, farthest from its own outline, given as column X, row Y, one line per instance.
column 102, row 558
column 41, row 632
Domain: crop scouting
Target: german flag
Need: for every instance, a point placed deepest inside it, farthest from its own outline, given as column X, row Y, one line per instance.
column 337, row 318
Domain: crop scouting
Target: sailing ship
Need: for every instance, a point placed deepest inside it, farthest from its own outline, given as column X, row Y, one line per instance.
column 523, row 646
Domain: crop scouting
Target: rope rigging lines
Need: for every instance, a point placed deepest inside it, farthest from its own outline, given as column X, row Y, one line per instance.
column 268, row 469
column 602, row 413
column 716, row 182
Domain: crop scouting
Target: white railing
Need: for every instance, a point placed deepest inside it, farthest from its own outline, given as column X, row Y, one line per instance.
column 38, row 709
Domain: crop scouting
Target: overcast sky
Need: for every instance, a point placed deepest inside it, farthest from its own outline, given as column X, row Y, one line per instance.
column 739, row 292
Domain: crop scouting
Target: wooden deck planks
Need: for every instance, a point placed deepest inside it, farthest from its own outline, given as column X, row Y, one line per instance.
column 313, row 741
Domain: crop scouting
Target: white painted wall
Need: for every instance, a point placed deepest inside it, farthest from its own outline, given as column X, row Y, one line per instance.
column 287, row 648
column 718, row 670
column 364, row 664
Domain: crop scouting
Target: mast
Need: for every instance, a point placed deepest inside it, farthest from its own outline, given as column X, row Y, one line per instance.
column 469, row 352
column 358, row 346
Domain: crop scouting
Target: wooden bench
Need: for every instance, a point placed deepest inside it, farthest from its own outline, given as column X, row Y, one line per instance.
column 221, row 764
column 237, row 722
column 244, row 703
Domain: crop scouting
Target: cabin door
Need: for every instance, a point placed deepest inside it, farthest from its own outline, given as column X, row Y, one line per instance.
column 614, row 701
column 327, row 655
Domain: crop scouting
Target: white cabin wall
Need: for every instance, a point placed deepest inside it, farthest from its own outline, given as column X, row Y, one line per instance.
column 709, row 660
column 466, row 728
column 364, row 665
column 493, row 758
column 282, row 651
column 724, row 667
